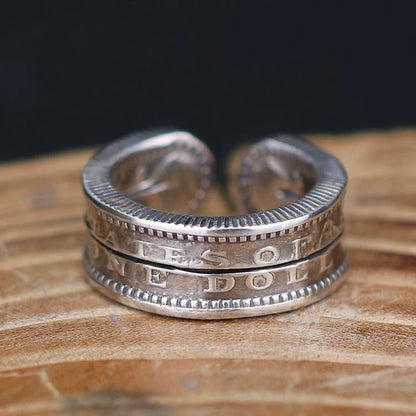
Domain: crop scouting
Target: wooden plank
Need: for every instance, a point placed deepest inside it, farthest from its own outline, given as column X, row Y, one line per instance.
column 66, row 349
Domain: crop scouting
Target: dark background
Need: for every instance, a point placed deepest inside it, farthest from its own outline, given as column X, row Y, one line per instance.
column 79, row 73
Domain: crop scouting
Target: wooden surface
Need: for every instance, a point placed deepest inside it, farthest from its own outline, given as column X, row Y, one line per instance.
column 64, row 349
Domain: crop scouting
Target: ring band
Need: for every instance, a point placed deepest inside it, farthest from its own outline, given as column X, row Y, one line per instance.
column 141, row 191
column 177, row 292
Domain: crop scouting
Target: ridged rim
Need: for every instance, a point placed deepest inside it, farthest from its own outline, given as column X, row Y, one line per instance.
column 331, row 182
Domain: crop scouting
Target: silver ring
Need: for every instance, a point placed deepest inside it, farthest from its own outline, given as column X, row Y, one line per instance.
column 141, row 192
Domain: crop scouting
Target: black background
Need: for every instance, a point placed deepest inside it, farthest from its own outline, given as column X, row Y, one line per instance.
column 79, row 73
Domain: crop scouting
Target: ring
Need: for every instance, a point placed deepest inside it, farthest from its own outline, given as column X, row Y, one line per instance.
column 141, row 193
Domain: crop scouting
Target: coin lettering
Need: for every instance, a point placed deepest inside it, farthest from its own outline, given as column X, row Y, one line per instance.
column 111, row 237
column 218, row 284
column 216, row 258
column 325, row 263
column 266, row 255
column 117, row 264
column 259, row 281
column 299, row 246
column 294, row 275
column 328, row 233
column 156, row 278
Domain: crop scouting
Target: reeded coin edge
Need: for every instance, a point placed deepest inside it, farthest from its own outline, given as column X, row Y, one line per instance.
column 214, row 309
column 221, row 237
column 101, row 193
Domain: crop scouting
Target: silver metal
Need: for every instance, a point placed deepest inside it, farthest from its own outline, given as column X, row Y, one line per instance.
column 214, row 295
column 146, row 249
column 141, row 192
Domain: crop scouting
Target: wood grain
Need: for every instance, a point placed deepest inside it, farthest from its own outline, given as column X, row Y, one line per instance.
column 67, row 350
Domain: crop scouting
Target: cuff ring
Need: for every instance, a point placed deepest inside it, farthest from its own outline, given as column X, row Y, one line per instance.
column 149, row 250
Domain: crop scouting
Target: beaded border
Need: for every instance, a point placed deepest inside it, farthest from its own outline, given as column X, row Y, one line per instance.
column 216, row 239
column 138, row 296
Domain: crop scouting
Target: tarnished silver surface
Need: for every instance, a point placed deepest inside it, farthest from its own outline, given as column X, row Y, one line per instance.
column 214, row 295
column 147, row 250
column 198, row 252
column 169, row 174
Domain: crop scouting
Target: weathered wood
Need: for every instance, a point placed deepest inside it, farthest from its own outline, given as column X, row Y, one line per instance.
column 66, row 349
